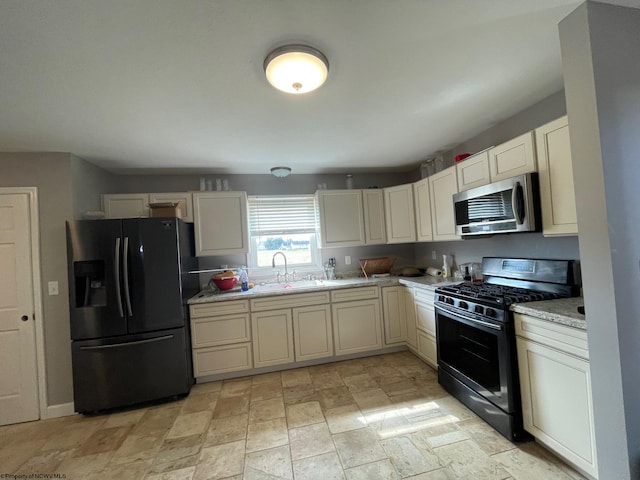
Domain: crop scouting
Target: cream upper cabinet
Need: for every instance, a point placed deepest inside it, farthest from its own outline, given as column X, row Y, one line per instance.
column 374, row 223
column 515, row 157
column 341, row 218
column 422, row 206
column 557, row 195
column 126, row 205
column 473, row 171
column 399, row 215
column 220, row 223
column 442, row 186
column 183, row 199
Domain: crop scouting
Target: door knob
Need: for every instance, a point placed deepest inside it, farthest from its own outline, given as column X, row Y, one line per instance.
column 24, row 318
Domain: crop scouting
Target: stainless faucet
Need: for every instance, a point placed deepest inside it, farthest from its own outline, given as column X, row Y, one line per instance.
column 286, row 272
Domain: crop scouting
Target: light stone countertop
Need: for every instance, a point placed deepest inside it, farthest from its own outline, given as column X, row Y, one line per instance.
column 563, row 311
column 304, row 286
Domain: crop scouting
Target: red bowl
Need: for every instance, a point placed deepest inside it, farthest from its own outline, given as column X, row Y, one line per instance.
column 225, row 283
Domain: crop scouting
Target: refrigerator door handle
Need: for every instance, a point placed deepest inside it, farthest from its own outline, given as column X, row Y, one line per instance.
column 116, row 267
column 127, row 344
column 125, row 266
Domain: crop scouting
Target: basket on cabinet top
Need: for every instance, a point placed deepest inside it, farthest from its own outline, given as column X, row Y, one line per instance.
column 376, row 266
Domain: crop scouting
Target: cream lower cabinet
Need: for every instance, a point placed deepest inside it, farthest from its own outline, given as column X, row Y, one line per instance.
column 220, row 337
column 394, row 315
column 410, row 312
column 357, row 324
column 555, row 383
column 291, row 328
column 312, row 332
column 272, row 333
column 426, row 325
column 555, row 171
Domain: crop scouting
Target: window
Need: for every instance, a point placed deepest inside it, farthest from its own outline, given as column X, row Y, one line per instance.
column 284, row 223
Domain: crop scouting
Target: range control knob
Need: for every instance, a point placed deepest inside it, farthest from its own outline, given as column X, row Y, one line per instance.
column 441, row 298
column 478, row 309
column 449, row 300
column 490, row 312
column 464, row 305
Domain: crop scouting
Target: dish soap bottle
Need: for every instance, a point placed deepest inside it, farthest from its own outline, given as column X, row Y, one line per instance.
column 445, row 267
column 244, row 280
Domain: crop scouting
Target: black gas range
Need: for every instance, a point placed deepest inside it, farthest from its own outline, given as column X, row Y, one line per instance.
column 477, row 360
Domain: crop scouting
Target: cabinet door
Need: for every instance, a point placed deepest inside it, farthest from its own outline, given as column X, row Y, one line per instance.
column 356, row 326
column 428, row 349
column 126, row 205
column 393, row 315
column 374, row 223
column 515, row 157
column 426, row 318
column 410, row 311
column 341, row 218
column 220, row 223
column 399, row 216
column 272, row 334
column 557, row 195
column 312, row 332
column 422, row 204
column 183, row 199
column 556, row 402
column 442, row 187
column 473, row 172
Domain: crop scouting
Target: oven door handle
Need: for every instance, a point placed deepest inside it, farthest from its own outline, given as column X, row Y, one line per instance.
column 493, row 326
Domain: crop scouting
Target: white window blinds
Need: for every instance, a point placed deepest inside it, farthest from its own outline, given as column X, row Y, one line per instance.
column 277, row 215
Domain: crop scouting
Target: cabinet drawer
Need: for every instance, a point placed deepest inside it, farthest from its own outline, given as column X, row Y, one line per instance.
column 218, row 308
column 222, row 330
column 289, row 301
column 228, row 358
column 424, row 295
column 348, row 294
column 561, row 337
column 426, row 318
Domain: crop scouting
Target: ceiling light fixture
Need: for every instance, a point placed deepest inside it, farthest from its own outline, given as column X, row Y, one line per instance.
column 296, row 68
column 280, row 172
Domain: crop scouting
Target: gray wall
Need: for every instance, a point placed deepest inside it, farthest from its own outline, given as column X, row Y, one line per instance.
column 600, row 45
column 255, row 184
column 88, row 182
column 51, row 174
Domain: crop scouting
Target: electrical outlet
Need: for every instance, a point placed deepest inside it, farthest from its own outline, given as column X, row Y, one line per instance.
column 53, row 288
column 347, row 259
column 434, row 255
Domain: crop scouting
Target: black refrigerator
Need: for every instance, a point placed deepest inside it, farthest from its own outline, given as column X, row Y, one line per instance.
column 129, row 283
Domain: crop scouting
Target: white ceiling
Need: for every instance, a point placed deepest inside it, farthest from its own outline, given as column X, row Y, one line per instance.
column 166, row 84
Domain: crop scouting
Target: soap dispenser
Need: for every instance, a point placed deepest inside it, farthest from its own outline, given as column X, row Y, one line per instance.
column 445, row 267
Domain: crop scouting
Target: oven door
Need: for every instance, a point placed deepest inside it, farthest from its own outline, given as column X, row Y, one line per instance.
column 479, row 354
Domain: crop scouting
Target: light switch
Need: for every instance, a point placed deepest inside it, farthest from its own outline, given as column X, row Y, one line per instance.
column 53, row 288
column 347, row 260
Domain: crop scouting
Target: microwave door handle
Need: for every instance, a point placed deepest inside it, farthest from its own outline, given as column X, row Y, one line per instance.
column 517, row 202
column 116, row 267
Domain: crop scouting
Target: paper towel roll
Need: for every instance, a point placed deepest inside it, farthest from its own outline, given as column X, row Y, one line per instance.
column 434, row 272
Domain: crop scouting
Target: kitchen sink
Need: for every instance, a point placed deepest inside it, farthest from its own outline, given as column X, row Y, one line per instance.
column 300, row 284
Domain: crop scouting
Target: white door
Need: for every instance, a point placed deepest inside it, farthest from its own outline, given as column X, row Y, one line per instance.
column 18, row 370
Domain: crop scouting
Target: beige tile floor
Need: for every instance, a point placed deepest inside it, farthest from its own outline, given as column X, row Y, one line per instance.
column 382, row 417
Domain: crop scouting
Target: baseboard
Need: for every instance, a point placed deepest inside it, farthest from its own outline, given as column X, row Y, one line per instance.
column 60, row 410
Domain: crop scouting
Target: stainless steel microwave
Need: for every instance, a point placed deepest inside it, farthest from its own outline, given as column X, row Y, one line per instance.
column 508, row 206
